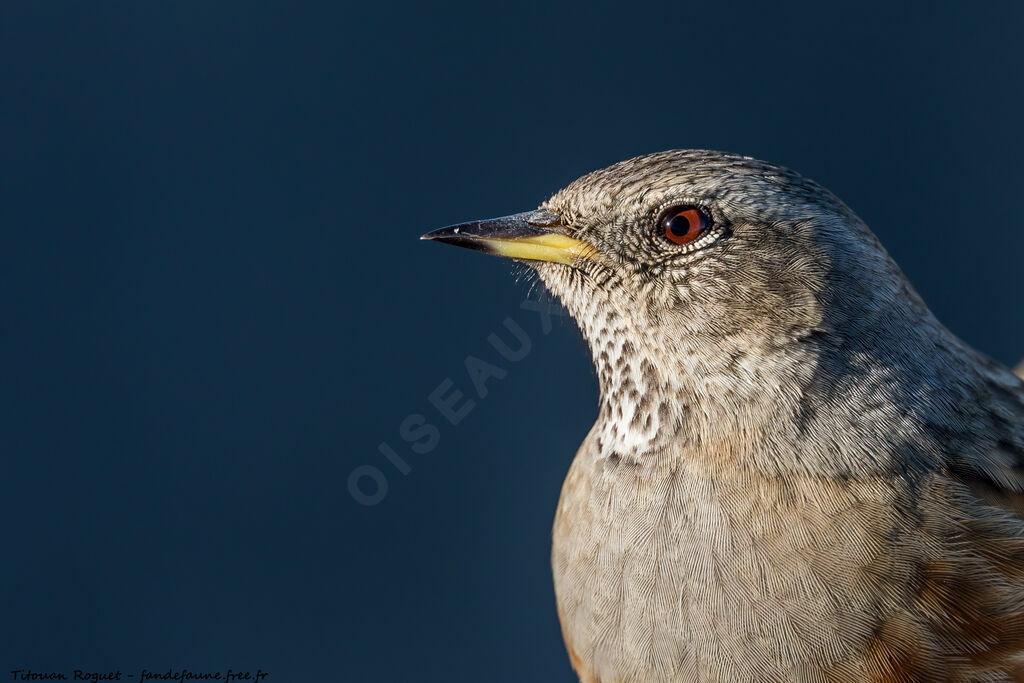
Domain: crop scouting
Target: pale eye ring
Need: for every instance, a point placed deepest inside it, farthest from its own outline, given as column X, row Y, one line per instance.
column 684, row 224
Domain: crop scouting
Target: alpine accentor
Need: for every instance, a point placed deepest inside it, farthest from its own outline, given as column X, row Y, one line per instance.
column 797, row 473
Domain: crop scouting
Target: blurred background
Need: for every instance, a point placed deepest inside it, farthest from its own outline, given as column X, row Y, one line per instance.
column 215, row 307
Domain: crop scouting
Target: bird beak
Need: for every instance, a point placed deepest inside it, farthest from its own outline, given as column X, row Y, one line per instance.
column 533, row 236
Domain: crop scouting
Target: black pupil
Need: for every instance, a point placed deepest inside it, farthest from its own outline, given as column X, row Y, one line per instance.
column 679, row 225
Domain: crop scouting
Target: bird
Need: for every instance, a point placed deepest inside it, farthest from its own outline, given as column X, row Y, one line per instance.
column 796, row 472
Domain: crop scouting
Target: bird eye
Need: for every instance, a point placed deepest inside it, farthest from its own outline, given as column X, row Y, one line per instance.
column 684, row 224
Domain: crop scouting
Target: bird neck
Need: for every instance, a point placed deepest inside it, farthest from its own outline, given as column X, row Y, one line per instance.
column 814, row 405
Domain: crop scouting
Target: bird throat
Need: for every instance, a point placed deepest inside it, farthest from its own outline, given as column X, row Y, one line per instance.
column 641, row 405
column 666, row 393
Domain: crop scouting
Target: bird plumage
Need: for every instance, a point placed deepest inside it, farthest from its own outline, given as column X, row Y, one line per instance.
column 796, row 473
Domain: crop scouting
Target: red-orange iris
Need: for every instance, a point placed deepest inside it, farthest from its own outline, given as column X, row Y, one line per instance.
column 684, row 224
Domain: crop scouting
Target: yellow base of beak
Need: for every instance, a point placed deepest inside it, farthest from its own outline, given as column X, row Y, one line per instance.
column 532, row 236
column 552, row 247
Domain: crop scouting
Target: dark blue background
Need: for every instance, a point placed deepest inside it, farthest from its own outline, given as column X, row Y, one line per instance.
column 214, row 304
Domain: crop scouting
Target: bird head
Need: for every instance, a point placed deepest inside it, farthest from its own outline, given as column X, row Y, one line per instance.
column 736, row 283
column 700, row 246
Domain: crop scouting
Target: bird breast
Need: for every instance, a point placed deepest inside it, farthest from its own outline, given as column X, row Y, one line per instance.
column 671, row 572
